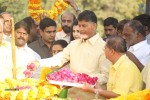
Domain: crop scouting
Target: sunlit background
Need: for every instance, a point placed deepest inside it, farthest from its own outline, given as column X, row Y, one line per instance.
column 119, row 9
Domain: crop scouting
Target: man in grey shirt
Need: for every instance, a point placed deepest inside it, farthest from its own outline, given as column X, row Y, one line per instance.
column 47, row 31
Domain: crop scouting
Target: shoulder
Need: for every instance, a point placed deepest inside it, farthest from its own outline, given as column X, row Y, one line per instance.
column 33, row 52
column 35, row 44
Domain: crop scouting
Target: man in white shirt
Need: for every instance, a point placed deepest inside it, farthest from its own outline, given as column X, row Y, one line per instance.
column 67, row 20
column 134, row 34
column 145, row 20
column 5, row 58
column 24, row 54
column 7, row 26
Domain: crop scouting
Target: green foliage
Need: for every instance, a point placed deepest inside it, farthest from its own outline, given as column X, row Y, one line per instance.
column 119, row 9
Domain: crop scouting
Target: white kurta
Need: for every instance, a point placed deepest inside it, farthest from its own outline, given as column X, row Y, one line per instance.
column 23, row 57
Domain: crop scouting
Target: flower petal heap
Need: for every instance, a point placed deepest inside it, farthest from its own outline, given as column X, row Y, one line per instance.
column 66, row 75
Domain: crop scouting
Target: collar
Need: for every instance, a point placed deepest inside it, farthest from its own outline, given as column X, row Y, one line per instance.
column 23, row 48
column 64, row 34
column 41, row 42
column 137, row 46
column 92, row 40
column 5, row 36
column 119, row 61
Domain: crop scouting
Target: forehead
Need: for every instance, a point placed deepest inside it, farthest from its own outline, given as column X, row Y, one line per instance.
column 67, row 16
column 109, row 27
column 84, row 22
column 6, row 16
column 76, row 26
column 57, row 47
column 127, row 29
column 50, row 28
column 21, row 29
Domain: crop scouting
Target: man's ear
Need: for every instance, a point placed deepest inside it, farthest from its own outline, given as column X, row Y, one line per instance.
column 94, row 26
column 41, row 32
column 112, row 51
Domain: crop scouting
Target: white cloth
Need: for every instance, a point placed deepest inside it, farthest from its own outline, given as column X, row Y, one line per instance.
column 148, row 38
column 24, row 56
column 84, row 56
column 62, row 35
column 5, row 60
column 142, row 51
column 7, row 38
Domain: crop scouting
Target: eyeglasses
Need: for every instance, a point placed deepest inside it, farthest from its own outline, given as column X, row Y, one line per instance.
column 7, row 21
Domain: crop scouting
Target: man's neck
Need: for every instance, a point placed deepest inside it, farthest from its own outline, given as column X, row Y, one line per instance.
column 7, row 33
column 116, row 57
column 48, row 44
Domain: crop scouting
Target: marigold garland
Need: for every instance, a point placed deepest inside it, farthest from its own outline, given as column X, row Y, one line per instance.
column 35, row 9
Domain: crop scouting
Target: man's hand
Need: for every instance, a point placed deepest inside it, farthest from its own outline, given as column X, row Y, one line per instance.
column 32, row 66
column 54, row 67
column 43, row 15
column 87, row 87
column 71, row 2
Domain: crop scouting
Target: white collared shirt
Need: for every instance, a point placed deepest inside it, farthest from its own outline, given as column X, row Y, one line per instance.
column 7, row 38
column 24, row 56
column 62, row 35
column 5, row 60
column 148, row 38
column 84, row 56
column 142, row 51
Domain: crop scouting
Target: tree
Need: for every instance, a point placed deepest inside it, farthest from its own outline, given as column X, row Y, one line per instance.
column 119, row 9
column 148, row 7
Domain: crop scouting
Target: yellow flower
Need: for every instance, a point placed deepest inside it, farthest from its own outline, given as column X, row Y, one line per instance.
column 44, row 72
column 32, row 94
column 140, row 95
column 43, row 92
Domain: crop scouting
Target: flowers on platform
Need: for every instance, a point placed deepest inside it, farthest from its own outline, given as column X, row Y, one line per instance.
column 35, row 9
column 27, row 89
column 66, row 75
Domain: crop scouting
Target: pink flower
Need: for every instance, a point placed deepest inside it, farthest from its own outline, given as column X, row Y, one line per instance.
column 27, row 73
column 67, row 75
column 31, row 67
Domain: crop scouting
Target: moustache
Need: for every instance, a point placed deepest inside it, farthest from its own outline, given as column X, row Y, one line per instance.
column 21, row 38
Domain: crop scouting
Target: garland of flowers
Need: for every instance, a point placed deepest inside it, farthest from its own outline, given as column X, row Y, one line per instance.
column 35, row 9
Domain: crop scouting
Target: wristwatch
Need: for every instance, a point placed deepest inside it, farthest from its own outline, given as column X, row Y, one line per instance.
column 78, row 9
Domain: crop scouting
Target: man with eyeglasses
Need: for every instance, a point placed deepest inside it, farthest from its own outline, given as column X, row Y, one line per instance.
column 7, row 26
column 47, row 31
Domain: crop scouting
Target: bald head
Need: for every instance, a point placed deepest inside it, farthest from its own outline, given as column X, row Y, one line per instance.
column 67, row 19
column 67, row 13
column 7, row 22
column 117, row 43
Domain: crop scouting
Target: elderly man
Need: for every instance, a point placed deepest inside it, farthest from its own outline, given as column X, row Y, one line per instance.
column 5, row 58
column 7, row 26
column 124, row 76
column 85, row 55
column 134, row 34
column 67, row 20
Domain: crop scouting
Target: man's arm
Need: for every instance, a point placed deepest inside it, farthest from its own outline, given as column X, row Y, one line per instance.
column 104, row 69
column 99, row 91
column 74, row 5
column 135, row 60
